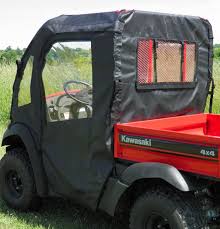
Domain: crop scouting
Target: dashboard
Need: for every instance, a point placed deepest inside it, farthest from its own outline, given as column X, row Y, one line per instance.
column 61, row 107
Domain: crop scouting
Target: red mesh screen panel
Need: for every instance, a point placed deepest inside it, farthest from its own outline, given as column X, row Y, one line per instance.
column 189, row 62
column 145, row 62
column 165, row 62
column 168, row 62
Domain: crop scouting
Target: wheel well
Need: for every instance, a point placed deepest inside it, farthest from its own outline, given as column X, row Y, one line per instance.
column 19, row 136
column 13, row 141
column 138, row 188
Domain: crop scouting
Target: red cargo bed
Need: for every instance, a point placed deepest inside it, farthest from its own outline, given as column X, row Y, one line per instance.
column 190, row 143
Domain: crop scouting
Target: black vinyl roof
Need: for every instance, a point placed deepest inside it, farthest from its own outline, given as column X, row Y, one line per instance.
column 105, row 21
column 131, row 23
column 84, row 22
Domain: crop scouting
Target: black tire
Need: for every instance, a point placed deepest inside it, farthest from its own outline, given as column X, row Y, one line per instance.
column 166, row 209
column 17, row 185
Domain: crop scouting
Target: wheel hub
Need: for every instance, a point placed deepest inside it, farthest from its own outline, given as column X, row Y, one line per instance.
column 157, row 222
column 15, row 183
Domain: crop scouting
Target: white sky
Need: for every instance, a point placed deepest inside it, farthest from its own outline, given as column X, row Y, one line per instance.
column 20, row 19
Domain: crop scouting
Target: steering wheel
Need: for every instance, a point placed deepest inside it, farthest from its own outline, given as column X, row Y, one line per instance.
column 84, row 96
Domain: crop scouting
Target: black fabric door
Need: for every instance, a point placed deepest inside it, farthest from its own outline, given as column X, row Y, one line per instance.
column 68, row 79
column 78, row 85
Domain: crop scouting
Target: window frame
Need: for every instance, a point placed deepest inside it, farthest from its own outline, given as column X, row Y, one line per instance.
column 167, row 85
column 60, row 38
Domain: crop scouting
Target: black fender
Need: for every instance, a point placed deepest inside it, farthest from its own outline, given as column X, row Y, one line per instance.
column 138, row 171
column 165, row 172
column 23, row 134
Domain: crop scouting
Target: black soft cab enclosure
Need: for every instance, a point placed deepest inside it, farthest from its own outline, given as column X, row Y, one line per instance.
column 139, row 65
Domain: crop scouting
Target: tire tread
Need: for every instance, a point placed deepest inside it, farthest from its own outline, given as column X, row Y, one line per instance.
column 189, row 209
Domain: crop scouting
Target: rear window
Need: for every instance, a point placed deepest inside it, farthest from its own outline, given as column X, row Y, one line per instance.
column 165, row 64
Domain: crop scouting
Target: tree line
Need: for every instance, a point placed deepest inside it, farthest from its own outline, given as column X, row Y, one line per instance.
column 10, row 55
column 56, row 54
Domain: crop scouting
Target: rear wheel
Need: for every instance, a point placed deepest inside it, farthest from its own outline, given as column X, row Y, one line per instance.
column 166, row 209
column 17, row 186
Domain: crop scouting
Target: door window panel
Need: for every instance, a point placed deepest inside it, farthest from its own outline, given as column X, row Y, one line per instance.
column 67, row 78
column 24, row 95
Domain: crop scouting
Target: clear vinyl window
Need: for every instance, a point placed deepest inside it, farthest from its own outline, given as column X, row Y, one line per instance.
column 24, row 95
column 67, row 79
column 165, row 63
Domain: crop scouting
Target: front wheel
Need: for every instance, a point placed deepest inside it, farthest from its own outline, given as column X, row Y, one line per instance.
column 166, row 209
column 17, row 186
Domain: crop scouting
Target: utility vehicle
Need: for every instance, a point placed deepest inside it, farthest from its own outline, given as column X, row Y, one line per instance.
column 107, row 111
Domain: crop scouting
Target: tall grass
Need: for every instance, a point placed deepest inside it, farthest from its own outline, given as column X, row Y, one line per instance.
column 65, row 63
column 7, row 76
column 216, row 75
column 54, row 76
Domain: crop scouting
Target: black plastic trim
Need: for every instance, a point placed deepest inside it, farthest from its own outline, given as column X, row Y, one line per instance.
column 162, row 171
column 116, row 187
column 165, row 86
column 111, row 195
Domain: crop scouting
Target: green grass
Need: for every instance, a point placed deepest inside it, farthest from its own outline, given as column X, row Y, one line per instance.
column 7, row 75
column 216, row 74
column 58, row 214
